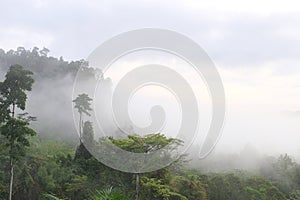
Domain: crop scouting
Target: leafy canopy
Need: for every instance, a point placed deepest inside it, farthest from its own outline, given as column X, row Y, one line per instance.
column 12, row 89
column 82, row 104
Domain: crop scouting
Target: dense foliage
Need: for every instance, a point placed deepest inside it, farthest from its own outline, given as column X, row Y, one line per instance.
column 50, row 168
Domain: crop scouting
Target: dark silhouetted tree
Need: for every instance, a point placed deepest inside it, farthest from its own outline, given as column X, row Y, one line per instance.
column 83, row 105
column 15, row 129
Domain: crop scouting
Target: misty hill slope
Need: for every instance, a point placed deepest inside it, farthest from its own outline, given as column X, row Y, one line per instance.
column 51, row 98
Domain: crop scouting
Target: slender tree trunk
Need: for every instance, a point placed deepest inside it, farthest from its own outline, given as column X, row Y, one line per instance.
column 13, row 111
column 11, row 178
column 11, row 161
column 80, row 125
column 137, row 185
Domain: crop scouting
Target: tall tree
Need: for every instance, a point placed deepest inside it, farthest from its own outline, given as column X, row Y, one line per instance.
column 147, row 144
column 15, row 129
column 83, row 105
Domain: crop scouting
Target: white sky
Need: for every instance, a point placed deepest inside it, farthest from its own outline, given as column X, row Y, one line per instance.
column 255, row 45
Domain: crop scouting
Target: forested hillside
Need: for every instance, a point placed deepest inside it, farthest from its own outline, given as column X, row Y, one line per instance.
column 51, row 97
column 51, row 167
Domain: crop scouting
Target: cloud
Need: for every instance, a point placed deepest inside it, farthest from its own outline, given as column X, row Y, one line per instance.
column 254, row 6
column 289, row 113
column 23, row 37
column 233, row 36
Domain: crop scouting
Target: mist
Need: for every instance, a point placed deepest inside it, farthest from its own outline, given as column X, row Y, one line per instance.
column 254, row 124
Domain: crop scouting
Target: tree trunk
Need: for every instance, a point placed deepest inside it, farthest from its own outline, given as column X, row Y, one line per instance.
column 11, row 162
column 137, row 185
column 13, row 111
column 80, row 125
column 11, row 179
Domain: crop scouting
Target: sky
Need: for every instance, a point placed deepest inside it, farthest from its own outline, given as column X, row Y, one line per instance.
column 254, row 44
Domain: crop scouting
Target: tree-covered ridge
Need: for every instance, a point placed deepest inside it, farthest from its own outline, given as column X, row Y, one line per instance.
column 38, row 61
